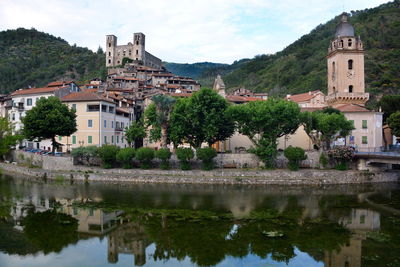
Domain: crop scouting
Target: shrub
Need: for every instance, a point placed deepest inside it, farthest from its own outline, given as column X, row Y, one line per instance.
column 323, row 160
column 206, row 155
column 107, row 154
column 85, row 153
column 184, row 155
column 294, row 155
column 342, row 155
column 145, row 155
column 125, row 156
column 164, row 155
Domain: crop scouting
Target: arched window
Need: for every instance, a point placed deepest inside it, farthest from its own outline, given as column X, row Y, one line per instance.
column 109, row 44
column 350, row 42
column 350, row 88
column 350, row 64
column 334, row 89
column 341, row 43
column 109, row 53
column 333, row 70
column 109, row 61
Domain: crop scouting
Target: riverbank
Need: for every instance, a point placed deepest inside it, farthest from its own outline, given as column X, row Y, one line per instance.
column 217, row 176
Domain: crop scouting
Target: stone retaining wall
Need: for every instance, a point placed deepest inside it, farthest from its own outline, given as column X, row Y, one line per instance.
column 218, row 176
column 43, row 161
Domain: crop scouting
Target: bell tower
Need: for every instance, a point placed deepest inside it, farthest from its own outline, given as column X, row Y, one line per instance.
column 346, row 67
column 111, row 43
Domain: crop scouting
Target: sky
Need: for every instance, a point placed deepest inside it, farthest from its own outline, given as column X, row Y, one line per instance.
column 182, row 31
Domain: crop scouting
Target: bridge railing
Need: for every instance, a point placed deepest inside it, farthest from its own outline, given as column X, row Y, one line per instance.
column 391, row 148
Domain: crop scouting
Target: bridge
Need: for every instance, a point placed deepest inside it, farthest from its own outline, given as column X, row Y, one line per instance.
column 377, row 158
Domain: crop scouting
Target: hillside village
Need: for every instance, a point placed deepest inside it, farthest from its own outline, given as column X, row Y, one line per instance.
column 105, row 109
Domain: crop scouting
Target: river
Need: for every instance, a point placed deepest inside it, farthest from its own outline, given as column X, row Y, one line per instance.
column 59, row 223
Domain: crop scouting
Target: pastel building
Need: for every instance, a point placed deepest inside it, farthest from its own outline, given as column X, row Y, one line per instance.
column 99, row 121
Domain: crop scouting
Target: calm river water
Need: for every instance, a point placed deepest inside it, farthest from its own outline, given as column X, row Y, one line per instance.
column 63, row 224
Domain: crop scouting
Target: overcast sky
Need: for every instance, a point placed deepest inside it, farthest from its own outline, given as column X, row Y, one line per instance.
column 180, row 30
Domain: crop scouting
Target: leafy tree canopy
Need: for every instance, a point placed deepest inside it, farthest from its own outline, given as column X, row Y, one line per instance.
column 47, row 119
column 7, row 137
column 394, row 123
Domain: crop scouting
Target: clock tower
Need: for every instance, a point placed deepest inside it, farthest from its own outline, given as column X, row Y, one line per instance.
column 346, row 67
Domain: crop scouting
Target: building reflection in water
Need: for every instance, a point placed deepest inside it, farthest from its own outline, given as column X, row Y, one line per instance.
column 359, row 222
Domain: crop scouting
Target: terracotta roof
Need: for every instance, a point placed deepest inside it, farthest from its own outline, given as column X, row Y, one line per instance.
column 59, row 83
column 303, row 97
column 85, row 96
column 32, row 91
column 173, row 86
column 131, row 79
column 352, row 108
column 236, row 98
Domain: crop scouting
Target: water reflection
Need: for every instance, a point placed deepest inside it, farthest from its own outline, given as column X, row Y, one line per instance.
column 206, row 225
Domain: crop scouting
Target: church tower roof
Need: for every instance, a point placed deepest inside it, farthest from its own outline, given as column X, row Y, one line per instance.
column 344, row 28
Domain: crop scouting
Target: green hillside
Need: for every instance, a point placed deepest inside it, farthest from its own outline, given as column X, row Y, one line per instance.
column 302, row 65
column 194, row 70
column 33, row 58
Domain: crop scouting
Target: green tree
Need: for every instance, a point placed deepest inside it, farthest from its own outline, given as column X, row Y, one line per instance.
column 134, row 132
column 7, row 138
column 201, row 118
column 206, row 154
column 295, row 155
column 125, row 156
column 145, row 156
column 184, row 155
column 108, row 154
column 164, row 155
column 264, row 122
column 394, row 123
column 47, row 119
column 389, row 105
column 157, row 116
column 324, row 128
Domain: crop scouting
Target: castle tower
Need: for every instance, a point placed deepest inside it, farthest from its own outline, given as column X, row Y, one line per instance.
column 111, row 44
column 346, row 67
column 139, row 42
column 219, row 86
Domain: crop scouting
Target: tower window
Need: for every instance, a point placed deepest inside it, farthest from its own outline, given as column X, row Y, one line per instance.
column 109, row 61
column 350, row 42
column 341, row 43
column 350, row 88
column 334, row 89
column 333, row 71
column 109, row 54
column 137, row 52
column 109, row 44
column 350, row 64
column 137, row 42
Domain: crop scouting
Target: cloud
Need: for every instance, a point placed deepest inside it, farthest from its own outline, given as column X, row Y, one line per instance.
column 179, row 30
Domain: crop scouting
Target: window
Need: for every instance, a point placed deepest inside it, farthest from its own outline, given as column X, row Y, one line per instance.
column 90, row 123
column 105, row 124
column 111, row 109
column 93, row 108
column 109, row 54
column 341, row 43
column 350, row 88
column 103, row 108
column 109, row 44
column 89, row 139
column 29, row 102
column 109, row 61
column 74, row 140
column 350, row 64
column 137, row 42
column 59, row 138
column 364, row 124
column 333, row 71
column 73, row 107
column 137, row 52
column 117, row 139
column 13, row 116
column 112, row 124
column 350, row 42
column 105, row 139
column 362, row 219
column 112, row 139
column 364, row 140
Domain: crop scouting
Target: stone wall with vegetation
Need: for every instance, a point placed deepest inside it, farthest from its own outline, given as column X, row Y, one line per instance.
column 45, row 162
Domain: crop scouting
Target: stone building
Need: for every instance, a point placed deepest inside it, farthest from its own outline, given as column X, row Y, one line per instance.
column 135, row 51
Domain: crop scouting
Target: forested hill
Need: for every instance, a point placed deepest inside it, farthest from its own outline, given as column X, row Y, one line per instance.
column 194, row 70
column 301, row 66
column 33, row 58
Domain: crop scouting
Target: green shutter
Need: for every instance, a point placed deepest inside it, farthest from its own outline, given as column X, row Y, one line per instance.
column 364, row 139
column 364, row 124
column 89, row 139
column 105, row 139
column 73, row 139
column 59, row 138
column 117, row 139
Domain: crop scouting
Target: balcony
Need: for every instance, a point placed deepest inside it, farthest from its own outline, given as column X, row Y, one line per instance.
column 343, row 97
